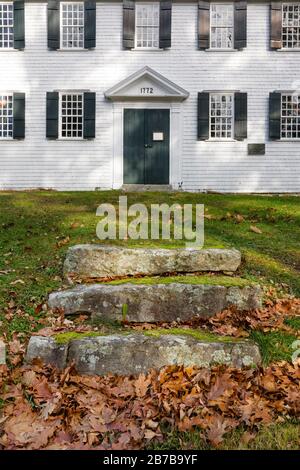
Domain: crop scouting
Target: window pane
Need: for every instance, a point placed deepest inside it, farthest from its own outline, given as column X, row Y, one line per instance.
column 221, row 116
column 291, row 26
column 6, row 25
column 221, row 26
column 290, row 116
column 6, row 116
column 72, row 25
column 147, row 25
column 71, row 111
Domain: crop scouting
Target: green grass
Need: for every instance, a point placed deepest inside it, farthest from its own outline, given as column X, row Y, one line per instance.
column 63, row 338
column 226, row 281
column 274, row 345
column 201, row 335
column 284, row 436
column 33, row 222
column 293, row 322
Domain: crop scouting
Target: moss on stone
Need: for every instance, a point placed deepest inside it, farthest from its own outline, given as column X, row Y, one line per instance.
column 63, row 338
column 200, row 335
column 218, row 280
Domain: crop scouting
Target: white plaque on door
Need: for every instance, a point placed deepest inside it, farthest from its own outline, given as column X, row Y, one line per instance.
column 158, row 136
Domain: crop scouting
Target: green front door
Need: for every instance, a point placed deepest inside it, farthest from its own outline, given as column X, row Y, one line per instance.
column 146, row 146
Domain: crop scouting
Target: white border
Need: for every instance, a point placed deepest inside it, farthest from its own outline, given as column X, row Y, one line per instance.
column 175, row 139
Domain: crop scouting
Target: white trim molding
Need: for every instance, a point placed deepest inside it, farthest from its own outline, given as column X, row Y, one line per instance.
column 146, row 84
column 143, row 90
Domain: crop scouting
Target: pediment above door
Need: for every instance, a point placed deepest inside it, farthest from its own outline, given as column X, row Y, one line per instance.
column 146, row 84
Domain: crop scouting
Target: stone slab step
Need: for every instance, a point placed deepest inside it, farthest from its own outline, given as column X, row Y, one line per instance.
column 100, row 261
column 146, row 187
column 154, row 302
column 137, row 353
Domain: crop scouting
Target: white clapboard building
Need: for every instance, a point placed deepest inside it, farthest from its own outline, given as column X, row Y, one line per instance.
column 201, row 96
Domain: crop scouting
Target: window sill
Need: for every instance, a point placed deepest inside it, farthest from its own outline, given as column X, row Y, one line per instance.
column 221, row 140
column 83, row 49
column 147, row 49
column 221, row 50
column 5, row 139
column 288, row 50
column 11, row 49
column 70, row 139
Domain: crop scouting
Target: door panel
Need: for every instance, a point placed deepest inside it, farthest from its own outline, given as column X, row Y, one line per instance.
column 134, row 147
column 146, row 156
column 157, row 151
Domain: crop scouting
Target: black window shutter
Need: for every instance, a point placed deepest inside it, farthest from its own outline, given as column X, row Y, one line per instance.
column 19, row 25
column 165, row 24
column 89, row 128
column 53, row 24
column 240, row 116
column 89, row 25
column 128, row 23
column 240, row 24
column 203, row 116
column 19, row 115
column 203, row 24
column 274, row 115
column 52, row 115
column 276, row 26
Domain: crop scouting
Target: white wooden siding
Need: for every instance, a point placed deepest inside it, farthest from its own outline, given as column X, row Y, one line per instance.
column 220, row 166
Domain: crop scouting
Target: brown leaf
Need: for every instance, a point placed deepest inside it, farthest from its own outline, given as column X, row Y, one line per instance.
column 255, row 229
column 141, row 385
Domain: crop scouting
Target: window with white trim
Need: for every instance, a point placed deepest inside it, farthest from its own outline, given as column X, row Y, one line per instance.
column 291, row 26
column 6, row 26
column 6, row 116
column 290, row 116
column 147, row 25
column 221, row 115
column 72, row 25
column 71, row 115
column 221, row 26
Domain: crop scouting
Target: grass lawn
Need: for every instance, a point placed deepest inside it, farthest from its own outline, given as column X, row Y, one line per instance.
column 38, row 227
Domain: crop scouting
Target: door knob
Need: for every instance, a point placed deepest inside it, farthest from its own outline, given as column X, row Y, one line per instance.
column 148, row 146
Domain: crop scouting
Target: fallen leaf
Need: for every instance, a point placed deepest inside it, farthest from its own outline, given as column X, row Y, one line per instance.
column 255, row 229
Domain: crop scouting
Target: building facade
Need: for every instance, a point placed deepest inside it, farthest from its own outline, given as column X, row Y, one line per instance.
column 201, row 96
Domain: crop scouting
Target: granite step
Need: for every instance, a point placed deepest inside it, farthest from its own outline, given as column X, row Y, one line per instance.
column 154, row 302
column 101, row 261
column 137, row 353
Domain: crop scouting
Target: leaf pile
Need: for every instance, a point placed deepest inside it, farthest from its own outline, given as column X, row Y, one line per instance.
column 45, row 409
column 232, row 322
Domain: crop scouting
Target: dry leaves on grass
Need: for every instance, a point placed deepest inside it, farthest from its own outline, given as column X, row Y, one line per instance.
column 232, row 322
column 49, row 410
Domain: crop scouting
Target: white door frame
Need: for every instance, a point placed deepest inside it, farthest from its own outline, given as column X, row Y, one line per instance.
column 175, row 138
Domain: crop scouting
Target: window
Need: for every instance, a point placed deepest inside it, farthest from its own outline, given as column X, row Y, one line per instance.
column 221, row 116
column 290, row 116
column 291, row 26
column 6, row 116
column 72, row 25
column 6, row 25
column 221, row 26
column 147, row 25
column 71, row 115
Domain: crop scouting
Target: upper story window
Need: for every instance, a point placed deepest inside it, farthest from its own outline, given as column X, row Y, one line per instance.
column 6, row 25
column 221, row 26
column 291, row 26
column 6, row 116
column 290, row 116
column 147, row 25
column 221, row 115
column 72, row 25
